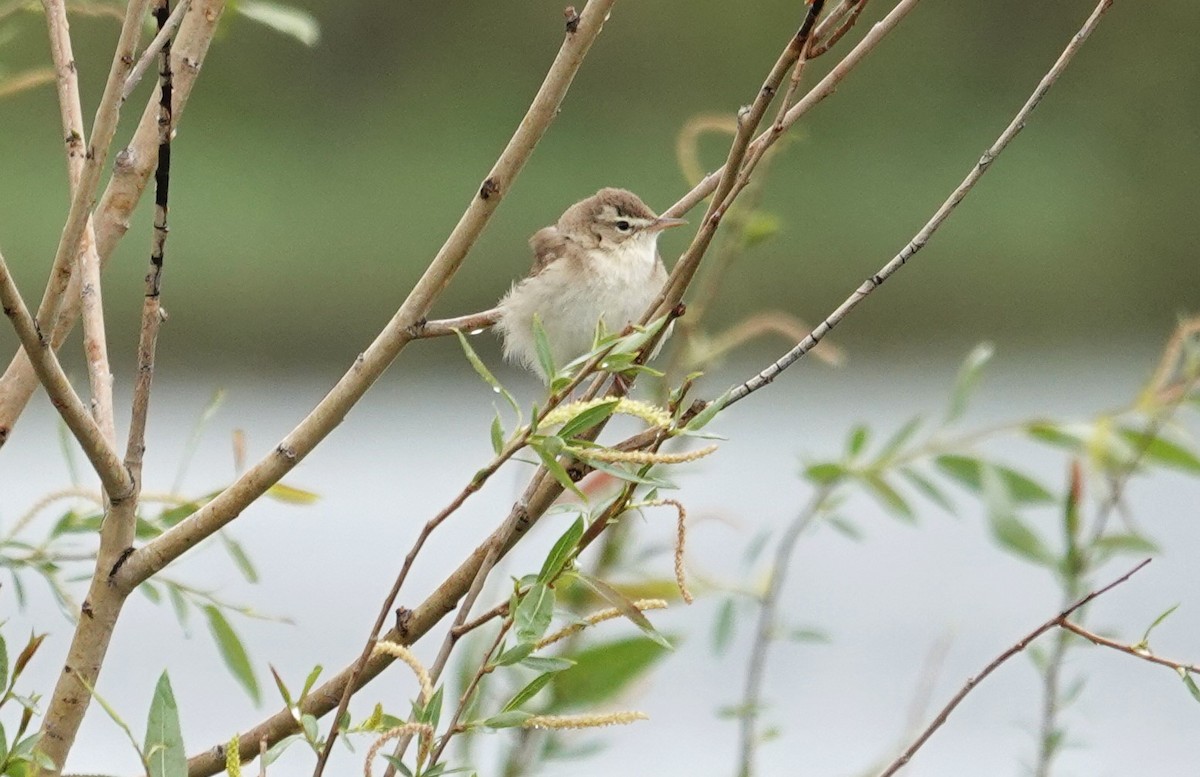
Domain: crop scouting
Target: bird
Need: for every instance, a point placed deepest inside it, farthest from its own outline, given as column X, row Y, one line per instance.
column 598, row 263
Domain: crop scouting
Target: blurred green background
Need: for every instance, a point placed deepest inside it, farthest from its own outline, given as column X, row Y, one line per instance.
column 311, row 186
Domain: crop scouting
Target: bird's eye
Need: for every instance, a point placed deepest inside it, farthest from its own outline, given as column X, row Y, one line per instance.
column 623, row 226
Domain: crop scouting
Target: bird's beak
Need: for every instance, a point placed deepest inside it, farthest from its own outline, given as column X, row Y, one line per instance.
column 662, row 222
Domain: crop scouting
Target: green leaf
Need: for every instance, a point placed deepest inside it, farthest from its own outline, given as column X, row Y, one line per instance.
column 1111, row 544
column 528, row 692
column 547, row 663
column 497, row 434
column 310, row 727
column 542, row 345
column 1010, row 532
column 588, row 418
column 1189, row 683
column 486, row 374
column 533, row 614
column 233, row 653
column 240, row 559
column 968, row 378
column 285, row 19
column 604, row 671
column 562, row 551
column 277, row 749
column 510, row 719
column 624, row 473
column 284, row 693
column 1162, row 451
column 179, row 605
column 310, row 681
column 625, row 606
column 967, row 471
column 3, row 746
column 3, row 665
column 844, row 527
column 515, row 654
column 857, row 440
column 396, row 762
column 555, row 467
column 1146, row 637
column 164, row 741
column 707, row 414
column 723, row 627
column 899, row 439
column 889, row 497
column 927, row 489
column 825, row 473
column 1072, row 439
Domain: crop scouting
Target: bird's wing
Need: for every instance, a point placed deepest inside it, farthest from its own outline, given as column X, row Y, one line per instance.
column 548, row 244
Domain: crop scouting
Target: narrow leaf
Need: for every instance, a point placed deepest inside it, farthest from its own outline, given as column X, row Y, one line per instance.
column 604, row 671
column 541, row 344
column 528, row 692
column 164, row 740
column 1162, row 451
column 723, row 627
column 968, row 378
column 967, row 471
column 588, row 418
column 626, row 608
column 233, row 653
column 561, row 552
column 533, row 614
column 282, row 492
column 288, row 20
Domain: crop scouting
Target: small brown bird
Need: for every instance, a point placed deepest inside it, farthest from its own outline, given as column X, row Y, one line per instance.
column 599, row 262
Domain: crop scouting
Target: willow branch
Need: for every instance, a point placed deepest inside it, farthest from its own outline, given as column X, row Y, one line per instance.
column 161, row 42
column 1133, row 650
column 922, row 237
column 113, row 477
column 973, row 682
column 768, row 606
column 103, row 128
column 90, row 300
column 131, row 171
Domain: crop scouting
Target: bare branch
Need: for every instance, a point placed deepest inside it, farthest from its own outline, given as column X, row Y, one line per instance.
column 115, row 480
column 973, row 682
column 89, row 295
column 160, row 42
column 103, row 128
column 1137, row 651
column 922, row 237
column 131, row 172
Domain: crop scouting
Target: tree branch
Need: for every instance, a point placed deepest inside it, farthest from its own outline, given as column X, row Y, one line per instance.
column 918, row 242
column 973, row 682
column 111, row 218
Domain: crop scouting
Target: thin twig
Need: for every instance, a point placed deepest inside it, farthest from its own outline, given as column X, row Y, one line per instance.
column 161, row 41
column 922, row 237
column 115, row 480
column 131, row 171
column 765, row 625
column 152, row 314
column 1133, row 650
column 103, row 128
column 470, row 324
column 94, row 337
column 973, row 682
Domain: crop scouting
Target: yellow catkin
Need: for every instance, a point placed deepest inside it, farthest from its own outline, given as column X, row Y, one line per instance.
column 680, row 538
column 424, row 730
column 585, row 721
column 651, row 414
column 233, row 761
column 599, row 617
column 646, row 457
column 399, row 651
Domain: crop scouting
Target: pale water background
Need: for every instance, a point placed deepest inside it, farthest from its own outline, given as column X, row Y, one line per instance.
column 841, row 707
